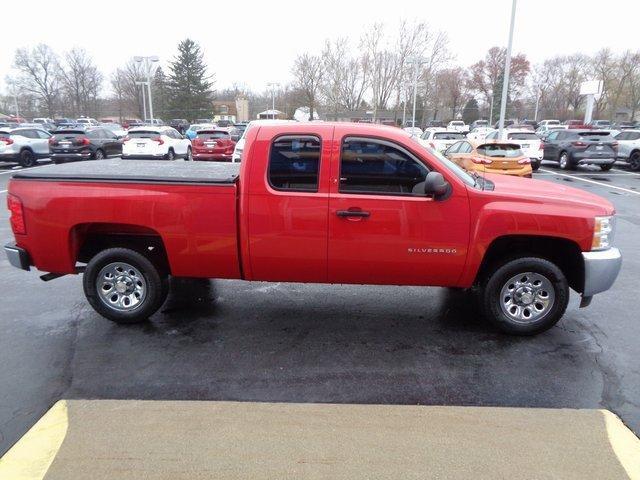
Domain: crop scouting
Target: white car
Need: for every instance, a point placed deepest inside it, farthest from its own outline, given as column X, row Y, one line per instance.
column 629, row 148
column 42, row 120
column 413, row 131
column 529, row 142
column 458, row 126
column 24, row 145
column 440, row 138
column 87, row 122
column 237, row 151
column 547, row 123
column 479, row 133
column 155, row 142
column 545, row 129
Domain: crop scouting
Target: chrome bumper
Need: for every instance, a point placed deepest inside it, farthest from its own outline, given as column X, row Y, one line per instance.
column 18, row 257
column 600, row 270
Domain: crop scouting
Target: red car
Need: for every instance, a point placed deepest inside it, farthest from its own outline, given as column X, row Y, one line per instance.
column 213, row 144
column 320, row 203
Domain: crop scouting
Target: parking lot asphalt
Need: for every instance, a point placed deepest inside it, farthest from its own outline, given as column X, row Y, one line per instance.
column 234, row 340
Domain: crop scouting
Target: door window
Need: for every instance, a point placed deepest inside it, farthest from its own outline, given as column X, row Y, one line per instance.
column 465, row 147
column 378, row 167
column 294, row 163
column 42, row 134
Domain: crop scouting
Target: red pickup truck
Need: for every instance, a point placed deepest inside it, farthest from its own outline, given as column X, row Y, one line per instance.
column 321, row 203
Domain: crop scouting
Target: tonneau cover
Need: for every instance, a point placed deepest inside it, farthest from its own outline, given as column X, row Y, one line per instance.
column 143, row 171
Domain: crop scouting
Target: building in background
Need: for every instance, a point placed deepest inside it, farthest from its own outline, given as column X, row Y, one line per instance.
column 242, row 109
column 271, row 115
column 224, row 110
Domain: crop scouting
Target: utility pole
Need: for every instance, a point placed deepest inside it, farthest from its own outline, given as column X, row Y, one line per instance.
column 507, row 71
column 144, row 101
column 535, row 115
column 148, row 65
column 273, row 86
column 416, row 62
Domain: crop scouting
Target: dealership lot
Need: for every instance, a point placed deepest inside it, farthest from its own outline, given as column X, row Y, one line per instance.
column 231, row 340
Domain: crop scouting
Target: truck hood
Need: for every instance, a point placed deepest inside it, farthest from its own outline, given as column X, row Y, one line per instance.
column 544, row 192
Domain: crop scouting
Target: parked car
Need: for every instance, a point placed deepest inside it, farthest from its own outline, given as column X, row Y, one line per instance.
column 581, row 147
column 529, row 142
column 415, row 131
column 479, row 133
column 180, row 124
column 575, row 124
column 156, row 122
column 94, row 143
column 87, row 122
column 458, row 126
column 213, row 144
column 117, row 129
column 626, row 126
column 548, row 122
column 130, row 123
column 629, row 148
column 544, row 130
column 490, row 157
column 412, row 217
column 237, row 151
column 479, row 124
column 64, row 122
column 440, row 138
column 193, row 129
column 224, row 123
column 532, row 123
column 43, row 121
column 24, row 145
column 207, row 121
column 600, row 124
column 507, row 123
column 155, row 142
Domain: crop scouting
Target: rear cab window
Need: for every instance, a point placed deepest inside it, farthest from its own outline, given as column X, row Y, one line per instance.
column 294, row 163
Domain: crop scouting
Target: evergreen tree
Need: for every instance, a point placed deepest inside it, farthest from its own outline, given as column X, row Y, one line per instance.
column 160, row 95
column 189, row 85
column 470, row 112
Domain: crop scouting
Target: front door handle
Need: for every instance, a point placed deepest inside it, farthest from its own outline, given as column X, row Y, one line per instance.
column 352, row 213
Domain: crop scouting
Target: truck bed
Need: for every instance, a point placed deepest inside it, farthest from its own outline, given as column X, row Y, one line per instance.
column 137, row 171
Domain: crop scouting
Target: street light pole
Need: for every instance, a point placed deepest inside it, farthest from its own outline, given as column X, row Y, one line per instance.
column 273, row 86
column 148, row 67
column 144, row 101
column 535, row 114
column 415, row 62
column 507, row 71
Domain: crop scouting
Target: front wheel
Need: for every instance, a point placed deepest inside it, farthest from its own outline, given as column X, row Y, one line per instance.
column 171, row 155
column 27, row 158
column 606, row 168
column 189, row 155
column 124, row 286
column 565, row 163
column 535, row 165
column 99, row 155
column 525, row 296
column 634, row 161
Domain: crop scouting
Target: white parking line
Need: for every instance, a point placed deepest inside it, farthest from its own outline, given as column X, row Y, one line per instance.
column 627, row 173
column 592, row 181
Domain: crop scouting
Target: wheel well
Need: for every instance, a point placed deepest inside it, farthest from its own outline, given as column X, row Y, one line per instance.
column 566, row 254
column 89, row 239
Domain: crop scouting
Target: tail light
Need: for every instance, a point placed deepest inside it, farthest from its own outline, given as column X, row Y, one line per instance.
column 17, row 215
column 158, row 139
column 579, row 144
column 6, row 140
column 524, row 161
column 481, row 161
column 53, row 141
column 82, row 141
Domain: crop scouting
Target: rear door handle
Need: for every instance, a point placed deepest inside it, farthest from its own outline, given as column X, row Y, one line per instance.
column 352, row 213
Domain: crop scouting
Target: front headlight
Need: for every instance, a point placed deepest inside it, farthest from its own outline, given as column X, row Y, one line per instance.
column 603, row 231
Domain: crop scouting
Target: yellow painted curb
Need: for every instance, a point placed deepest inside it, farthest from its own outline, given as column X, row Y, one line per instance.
column 624, row 444
column 31, row 457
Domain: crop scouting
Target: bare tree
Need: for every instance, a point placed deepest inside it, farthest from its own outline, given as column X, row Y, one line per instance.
column 81, row 82
column 308, row 73
column 127, row 91
column 39, row 74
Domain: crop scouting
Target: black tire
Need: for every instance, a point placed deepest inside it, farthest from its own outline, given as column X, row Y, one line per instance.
column 564, row 160
column 535, row 165
column 155, row 281
column 171, row 154
column 27, row 158
column 98, row 155
column 188, row 157
column 606, row 168
column 634, row 161
column 490, row 295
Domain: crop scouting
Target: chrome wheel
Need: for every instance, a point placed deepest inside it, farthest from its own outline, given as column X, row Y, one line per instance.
column 99, row 155
column 527, row 297
column 564, row 161
column 121, row 286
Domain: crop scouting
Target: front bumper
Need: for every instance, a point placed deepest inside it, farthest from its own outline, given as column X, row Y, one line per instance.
column 18, row 257
column 601, row 269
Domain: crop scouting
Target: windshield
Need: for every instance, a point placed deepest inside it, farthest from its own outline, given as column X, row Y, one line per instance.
column 448, row 164
column 499, row 150
column 522, row 136
column 448, row 135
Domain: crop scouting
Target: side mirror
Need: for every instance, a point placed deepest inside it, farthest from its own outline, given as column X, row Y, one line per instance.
column 435, row 185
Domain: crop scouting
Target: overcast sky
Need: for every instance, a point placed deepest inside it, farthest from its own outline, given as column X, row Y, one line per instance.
column 255, row 42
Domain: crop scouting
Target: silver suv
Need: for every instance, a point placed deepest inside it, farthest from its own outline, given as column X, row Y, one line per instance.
column 24, row 145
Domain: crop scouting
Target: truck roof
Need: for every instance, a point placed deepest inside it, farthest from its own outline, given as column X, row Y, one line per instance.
column 137, row 171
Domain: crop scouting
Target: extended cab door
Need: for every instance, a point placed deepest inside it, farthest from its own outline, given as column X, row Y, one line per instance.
column 382, row 230
column 285, row 201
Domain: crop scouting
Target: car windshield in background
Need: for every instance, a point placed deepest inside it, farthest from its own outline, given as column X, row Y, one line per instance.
column 448, row 136
column 207, row 135
column 500, row 150
column 522, row 136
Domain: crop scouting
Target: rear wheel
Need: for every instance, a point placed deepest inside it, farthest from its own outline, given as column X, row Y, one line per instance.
column 634, row 161
column 565, row 162
column 524, row 296
column 606, row 168
column 124, row 286
column 99, row 155
column 189, row 155
column 535, row 165
column 27, row 158
column 171, row 155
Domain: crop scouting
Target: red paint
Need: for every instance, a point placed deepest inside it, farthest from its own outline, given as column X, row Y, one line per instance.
column 208, row 231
